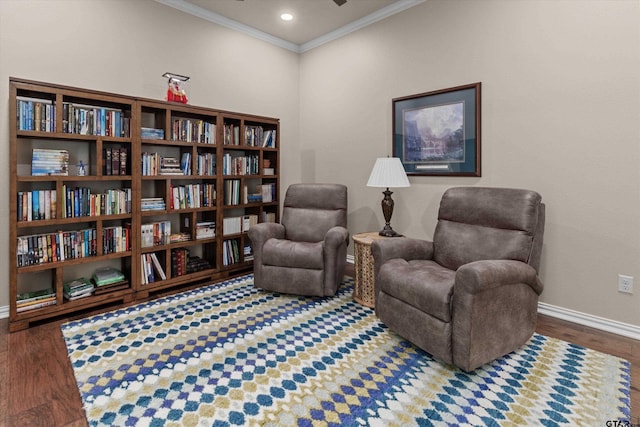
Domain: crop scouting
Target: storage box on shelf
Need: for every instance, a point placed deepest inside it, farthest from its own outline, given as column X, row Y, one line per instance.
column 145, row 188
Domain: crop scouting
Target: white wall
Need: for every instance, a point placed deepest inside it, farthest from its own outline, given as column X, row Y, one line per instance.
column 125, row 46
column 560, row 115
column 560, row 108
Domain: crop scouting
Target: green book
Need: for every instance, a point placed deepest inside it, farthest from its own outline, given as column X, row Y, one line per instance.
column 107, row 276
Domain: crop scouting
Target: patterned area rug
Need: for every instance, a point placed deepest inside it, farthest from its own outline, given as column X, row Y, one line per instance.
column 229, row 354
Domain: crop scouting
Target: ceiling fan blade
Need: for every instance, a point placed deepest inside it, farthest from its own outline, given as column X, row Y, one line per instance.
column 339, row 2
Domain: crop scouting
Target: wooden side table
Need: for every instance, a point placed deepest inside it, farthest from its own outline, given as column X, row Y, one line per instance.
column 364, row 283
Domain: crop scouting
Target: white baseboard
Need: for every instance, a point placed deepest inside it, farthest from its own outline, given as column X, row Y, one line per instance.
column 4, row 312
column 584, row 319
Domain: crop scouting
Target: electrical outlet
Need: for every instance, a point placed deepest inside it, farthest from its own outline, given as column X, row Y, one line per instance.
column 625, row 284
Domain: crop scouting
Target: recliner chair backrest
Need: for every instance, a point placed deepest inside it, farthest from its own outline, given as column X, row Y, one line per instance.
column 477, row 223
column 310, row 210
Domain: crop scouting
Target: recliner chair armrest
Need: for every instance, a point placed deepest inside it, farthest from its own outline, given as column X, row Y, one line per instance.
column 478, row 276
column 400, row 247
column 260, row 233
column 335, row 237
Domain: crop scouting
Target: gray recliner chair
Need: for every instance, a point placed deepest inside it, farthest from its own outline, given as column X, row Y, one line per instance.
column 306, row 253
column 471, row 295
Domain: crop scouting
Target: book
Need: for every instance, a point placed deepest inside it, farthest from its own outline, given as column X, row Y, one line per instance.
column 107, row 276
column 170, row 166
column 206, row 230
column 122, row 284
column 36, row 304
column 77, row 288
column 151, row 133
column 185, row 163
column 26, row 297
column 158, row 267
column 49, row 162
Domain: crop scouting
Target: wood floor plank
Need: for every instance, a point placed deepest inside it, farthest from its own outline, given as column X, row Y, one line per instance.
column 41, row 377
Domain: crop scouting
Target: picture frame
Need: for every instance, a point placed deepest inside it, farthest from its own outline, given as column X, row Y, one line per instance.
column 438, row 133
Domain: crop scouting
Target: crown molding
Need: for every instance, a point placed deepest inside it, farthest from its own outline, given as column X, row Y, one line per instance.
column 194, row 10
column 379, row 15
column 392, row 9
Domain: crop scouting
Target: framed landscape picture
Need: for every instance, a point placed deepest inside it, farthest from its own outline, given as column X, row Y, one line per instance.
column 438, row 133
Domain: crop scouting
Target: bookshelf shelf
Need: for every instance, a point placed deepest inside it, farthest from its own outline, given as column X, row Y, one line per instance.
column 182, row 186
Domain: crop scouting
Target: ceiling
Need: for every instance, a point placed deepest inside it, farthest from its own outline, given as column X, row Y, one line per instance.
column 315, row 22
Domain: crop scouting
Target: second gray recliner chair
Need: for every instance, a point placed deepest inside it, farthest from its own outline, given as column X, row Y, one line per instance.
column 306, row 253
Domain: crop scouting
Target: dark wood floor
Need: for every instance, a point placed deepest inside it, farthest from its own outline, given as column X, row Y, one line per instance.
column 37, row 386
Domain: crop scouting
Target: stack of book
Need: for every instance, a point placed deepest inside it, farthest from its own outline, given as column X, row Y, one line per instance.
column 152, row 204
column 46, row 162
column 78, row 288
column 151, row 133
column 38, row 299
column 108, row 279
column 179, row 237
column 248, row 252
column 170, row 166
column 206, row 230
column 183, row 263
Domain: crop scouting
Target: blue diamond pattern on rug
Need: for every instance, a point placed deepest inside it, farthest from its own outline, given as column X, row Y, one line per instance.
column 230, row 354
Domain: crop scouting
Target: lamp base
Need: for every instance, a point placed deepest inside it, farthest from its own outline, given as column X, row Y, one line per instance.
column 387, row 231
column 387, row 211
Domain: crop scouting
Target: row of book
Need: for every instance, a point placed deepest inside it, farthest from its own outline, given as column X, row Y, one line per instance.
column 231, row 252
column 253, row 136
column 231, row 134
column 81, row 201
column 193, row 130
column 150, row 268
column 240, row 165
column 238, row 224
column 76, row 202
column 115, row 161
column 59, row 246
column 92, row 120
column 183, row 263
column 37, row 205
column 156, row 233
column 232, row 194
column 49, row 162
column 153, row 164
column 116, row 239
column 206, row 164
column 36, row 114
column 193, row 196
column 235, row 194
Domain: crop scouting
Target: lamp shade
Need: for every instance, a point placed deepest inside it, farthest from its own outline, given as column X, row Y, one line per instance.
column 388, row 172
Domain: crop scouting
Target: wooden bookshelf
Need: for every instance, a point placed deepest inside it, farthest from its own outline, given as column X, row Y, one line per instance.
column 179, row 172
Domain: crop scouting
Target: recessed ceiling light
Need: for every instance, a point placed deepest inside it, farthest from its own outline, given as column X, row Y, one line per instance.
column 286, row 17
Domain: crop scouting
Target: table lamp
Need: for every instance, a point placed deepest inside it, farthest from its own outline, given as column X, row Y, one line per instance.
column 388, row 172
